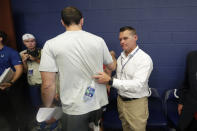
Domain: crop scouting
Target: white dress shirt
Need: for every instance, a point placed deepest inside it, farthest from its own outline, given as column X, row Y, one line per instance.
column 132, row 74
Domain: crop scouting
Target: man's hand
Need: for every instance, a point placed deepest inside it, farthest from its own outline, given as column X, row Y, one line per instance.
column 25, row 56
column 112, row 66
column 32, row 58
column 3, row 86
column 36, row 59
column 57, row 97
column 180, row 107
column 50, row 121
column 102, row 78
column 113, row 54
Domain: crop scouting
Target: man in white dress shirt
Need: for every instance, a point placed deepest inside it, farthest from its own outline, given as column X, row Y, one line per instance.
column 134, row 67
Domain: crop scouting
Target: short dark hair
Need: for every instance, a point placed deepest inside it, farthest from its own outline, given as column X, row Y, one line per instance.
column 4, row 36
column 124, row 28
column 71, row 15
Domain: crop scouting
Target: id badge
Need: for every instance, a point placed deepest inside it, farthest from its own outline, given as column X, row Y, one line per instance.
column 30, row 72
column 89, row 91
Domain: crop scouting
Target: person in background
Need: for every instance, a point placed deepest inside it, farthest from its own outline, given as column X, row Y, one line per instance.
column 134, row 67
column 187, row 106
column 107, row 71
column 77, row 55
column 10, row 93
column 9, row 58
column 31, row 61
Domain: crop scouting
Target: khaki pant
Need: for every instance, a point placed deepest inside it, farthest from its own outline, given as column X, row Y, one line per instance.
column 133, row 114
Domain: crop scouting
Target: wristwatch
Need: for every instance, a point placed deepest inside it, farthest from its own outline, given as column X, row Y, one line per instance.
column 110, row 82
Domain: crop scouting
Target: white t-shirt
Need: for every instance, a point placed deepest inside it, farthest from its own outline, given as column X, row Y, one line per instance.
column 77, row 56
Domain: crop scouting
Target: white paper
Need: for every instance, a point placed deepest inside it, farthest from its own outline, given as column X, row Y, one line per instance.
column 44, row 114
column 7, row 75
column 47, row 113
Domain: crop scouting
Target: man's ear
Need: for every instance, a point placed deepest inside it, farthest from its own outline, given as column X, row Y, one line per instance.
column 136, row 37
column 81, row 22
column 63, row 23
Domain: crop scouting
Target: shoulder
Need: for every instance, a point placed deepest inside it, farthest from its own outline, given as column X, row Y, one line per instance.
column 192, row 54
column 56, row 38
column 22, row 52
column 191, row 57
column 96, row 37
column 13, row 55
column 143, row 56
column 11, row 50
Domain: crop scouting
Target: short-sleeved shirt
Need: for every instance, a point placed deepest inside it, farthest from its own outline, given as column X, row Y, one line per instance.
column 77, row 56
column 8, row 58
column 33, row 73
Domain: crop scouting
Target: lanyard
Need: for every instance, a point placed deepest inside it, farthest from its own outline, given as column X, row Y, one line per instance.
column 127, row 60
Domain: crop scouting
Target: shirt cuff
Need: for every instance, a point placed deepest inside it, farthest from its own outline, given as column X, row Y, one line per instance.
column 115, row 83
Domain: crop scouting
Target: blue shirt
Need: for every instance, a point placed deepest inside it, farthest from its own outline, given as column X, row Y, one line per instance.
column 8, row 58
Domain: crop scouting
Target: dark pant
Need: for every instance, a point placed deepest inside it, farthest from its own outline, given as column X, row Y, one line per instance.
column 35, row 96
column 186, row 121
column 80, row 122
column 7, row 111
column 13, row 107
column 191, row 127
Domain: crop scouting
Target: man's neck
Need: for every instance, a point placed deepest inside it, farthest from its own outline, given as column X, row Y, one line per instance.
column 73, row 28
column 128, row 52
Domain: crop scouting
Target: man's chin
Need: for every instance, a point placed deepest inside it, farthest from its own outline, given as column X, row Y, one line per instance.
column 31, row 48
column 125, row 49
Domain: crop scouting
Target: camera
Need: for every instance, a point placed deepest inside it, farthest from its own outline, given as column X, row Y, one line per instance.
column 34, row 53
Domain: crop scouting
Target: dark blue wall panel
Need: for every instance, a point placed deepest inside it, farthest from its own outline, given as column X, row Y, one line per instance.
column 167, row 29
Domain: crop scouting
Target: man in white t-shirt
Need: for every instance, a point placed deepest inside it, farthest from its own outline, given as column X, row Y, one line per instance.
column 77, row 56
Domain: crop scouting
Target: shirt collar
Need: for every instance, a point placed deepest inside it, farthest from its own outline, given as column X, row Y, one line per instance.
column 123, row 53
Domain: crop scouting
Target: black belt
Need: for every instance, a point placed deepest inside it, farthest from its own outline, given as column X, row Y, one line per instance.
column 126, row 99
column 36, row 85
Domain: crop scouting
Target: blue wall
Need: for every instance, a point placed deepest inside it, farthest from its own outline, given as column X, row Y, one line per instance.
column 167, row 29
